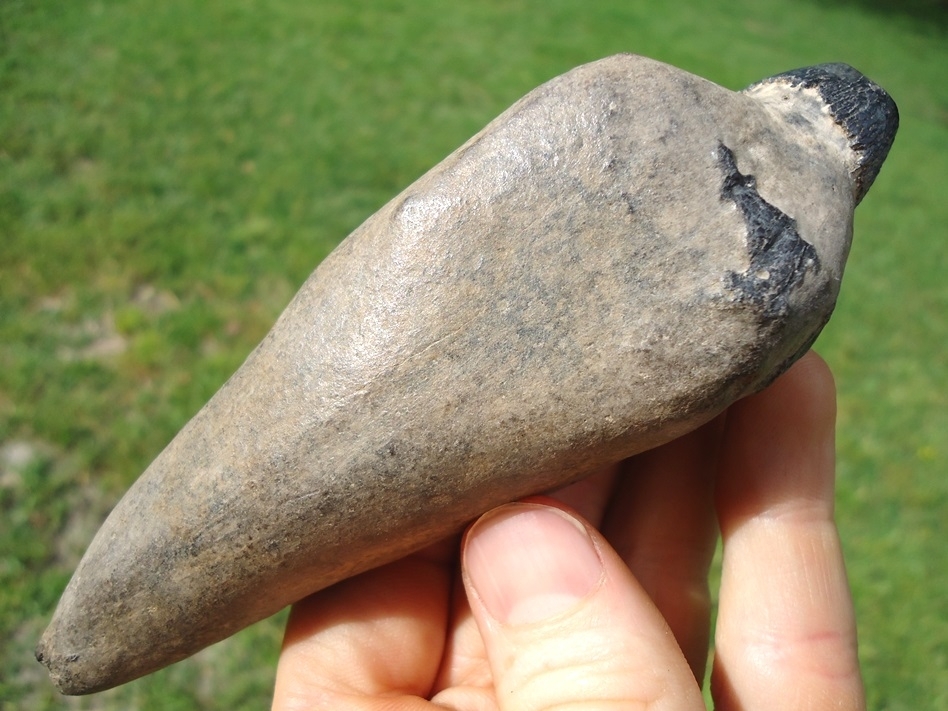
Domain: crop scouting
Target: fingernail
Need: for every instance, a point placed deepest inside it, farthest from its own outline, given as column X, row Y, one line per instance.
column 528, row 562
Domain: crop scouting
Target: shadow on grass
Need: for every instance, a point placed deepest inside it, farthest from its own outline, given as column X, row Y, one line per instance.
column 930, row 15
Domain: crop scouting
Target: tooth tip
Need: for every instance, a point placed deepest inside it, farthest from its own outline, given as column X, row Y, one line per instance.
column 862, row 108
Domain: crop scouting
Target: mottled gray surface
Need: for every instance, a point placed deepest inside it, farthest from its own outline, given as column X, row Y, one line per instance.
column 593, row 274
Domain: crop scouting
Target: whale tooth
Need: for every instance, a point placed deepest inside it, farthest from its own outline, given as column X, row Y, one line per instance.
column 607, row 265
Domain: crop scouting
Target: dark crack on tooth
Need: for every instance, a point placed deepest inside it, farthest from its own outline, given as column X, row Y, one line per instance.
column 779, row 257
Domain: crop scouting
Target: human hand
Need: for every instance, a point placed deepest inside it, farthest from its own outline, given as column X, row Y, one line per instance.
column 612, row 610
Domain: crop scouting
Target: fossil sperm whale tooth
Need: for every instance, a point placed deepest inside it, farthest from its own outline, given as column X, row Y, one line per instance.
column 608, row 264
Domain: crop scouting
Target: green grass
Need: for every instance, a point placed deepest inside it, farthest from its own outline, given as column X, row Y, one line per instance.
column 171, row 172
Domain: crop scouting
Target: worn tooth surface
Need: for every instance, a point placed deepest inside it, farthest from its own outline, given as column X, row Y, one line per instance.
column 610, row 263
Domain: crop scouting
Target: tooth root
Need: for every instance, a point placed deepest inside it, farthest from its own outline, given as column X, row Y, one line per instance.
column 607, row 265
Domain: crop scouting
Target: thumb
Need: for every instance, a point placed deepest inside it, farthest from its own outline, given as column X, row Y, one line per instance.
column 564, row 623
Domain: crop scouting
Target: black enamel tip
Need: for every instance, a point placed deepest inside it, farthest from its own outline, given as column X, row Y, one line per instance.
column 861, row 107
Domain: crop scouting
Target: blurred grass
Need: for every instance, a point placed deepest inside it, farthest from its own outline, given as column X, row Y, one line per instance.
column 170, row 173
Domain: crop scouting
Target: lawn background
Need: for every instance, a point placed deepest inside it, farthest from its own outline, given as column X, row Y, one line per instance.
column 171, row 172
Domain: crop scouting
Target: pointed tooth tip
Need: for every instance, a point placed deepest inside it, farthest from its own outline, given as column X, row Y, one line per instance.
column 862, row 108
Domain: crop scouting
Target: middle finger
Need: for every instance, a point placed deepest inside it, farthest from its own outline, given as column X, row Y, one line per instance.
column 661, row 520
